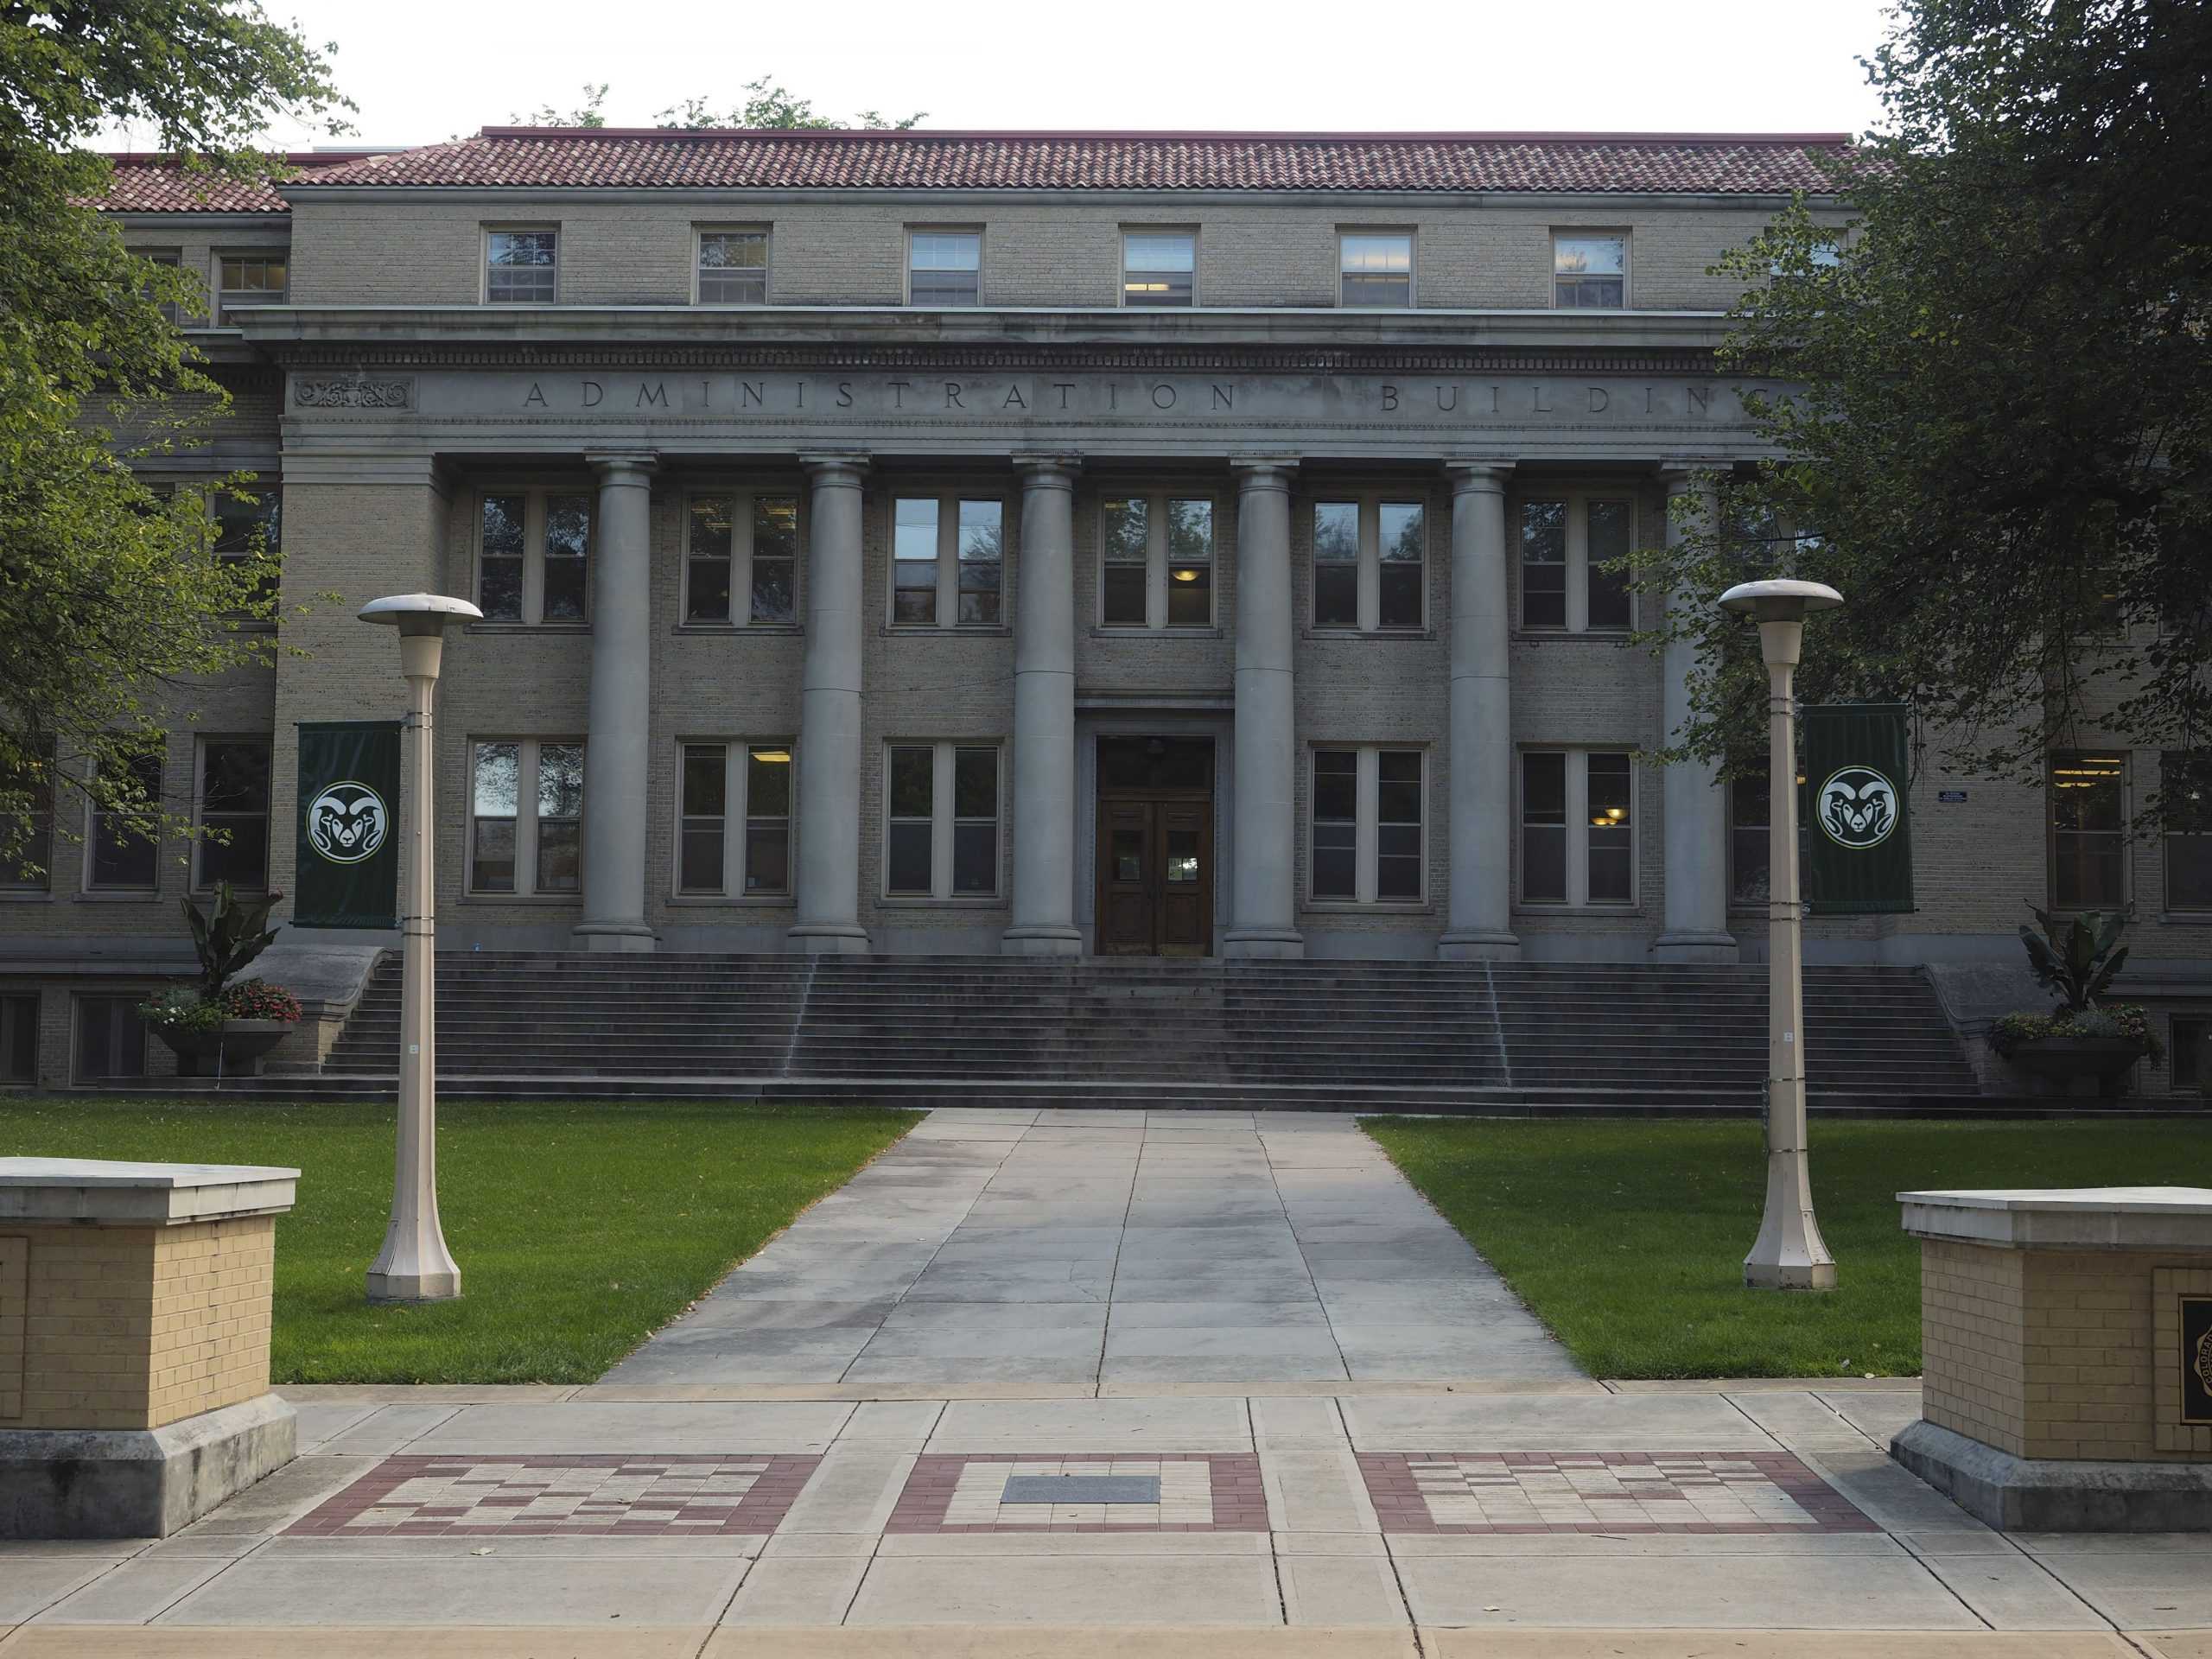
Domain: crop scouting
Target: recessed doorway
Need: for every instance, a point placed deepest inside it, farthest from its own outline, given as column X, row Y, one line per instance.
column 1155, row 846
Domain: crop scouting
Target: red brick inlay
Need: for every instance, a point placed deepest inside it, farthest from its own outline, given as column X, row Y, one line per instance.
column 471, row 1495
column 1608, row 1492
column 1239, row 1501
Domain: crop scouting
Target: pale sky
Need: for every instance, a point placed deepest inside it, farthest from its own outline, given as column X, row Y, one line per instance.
column 423, row 70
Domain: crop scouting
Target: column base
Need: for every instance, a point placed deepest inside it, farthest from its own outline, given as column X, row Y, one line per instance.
column 1276, row 944
column 1696, row 947
column 1046, row 941
column 138, row 1482
column 614, row 936
column 1476, row 945
column 2055, row 1494
column 828, row 939
column 435, row 1286
column 1788, row 1276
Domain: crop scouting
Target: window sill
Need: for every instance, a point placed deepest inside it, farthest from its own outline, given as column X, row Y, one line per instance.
column 966, row 901
column 780, row 630
column 237, row 891
column 725, row 901
column 2184, row 919
column 117, row 896
column 933, row 630
column 26, row 896
column 526, row 627
column 1526, row 908
column 1130, row 630
column 529, row 900
column 1367, row 633
column 1369, row 907
column 1565, row 636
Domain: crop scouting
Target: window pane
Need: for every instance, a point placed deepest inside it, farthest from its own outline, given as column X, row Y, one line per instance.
column 975, row 783
column 1122, row 595
column 560, row 780
column 1397, row 787
column 568, row 530
column 709, row 529
column 706, row 768
column 1377, row 269
column 1543, row 564
column 1182, row 856
column 1612, row 530
column 1403, row 539
column 2191, row 1048
column 1543, row 789
column 1402, row 535
column 19, row 1039
column 774, row 595
column 1397, row 862
column 768, row 781
column 1336, row 861
column 1125, row 530
column 499, row 788
column 235, row 777
column 1610, row 828
column 2186, row 779
column 1609, row 866
column 734, row 268
column 1190, row 595
column 1335, row 564
column 1158, row 269
column 1335, row 532
column 1190, row 532
column 913, row 775
column 944, row 268
column 558, row 841
column 1609, row 791
column 768, row 855
column 1590, row 256
column 982, row 551
column 910, row 858
column 492, row 867
column 520, row 267
column 775, row 558
column 703, row 857
column 1336, row 787
column 124, row 854
column 234, row 804
column 499, row 582
column 913, row 541
column 1397, row 821
column 2088, row 838
column 1750, row 854
column 975, row 858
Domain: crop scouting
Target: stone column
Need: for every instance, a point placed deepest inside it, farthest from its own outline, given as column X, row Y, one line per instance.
column 828, row 851
column 1044, row 714
column 1263, row 878
column 1694, row 804
column 1481, row 921
column 618, row 743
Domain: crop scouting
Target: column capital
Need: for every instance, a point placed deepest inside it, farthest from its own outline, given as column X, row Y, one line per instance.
column 1047, row 471
column 835, row 467
column 1478, row 477
column 1683, row 475
column 636, row 466
column 1263, row 472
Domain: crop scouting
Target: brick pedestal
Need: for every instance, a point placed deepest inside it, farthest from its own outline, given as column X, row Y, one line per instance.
column 2066, row 1343
column 134, row 1343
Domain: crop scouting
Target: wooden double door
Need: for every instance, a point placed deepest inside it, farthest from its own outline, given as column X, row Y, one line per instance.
column 1155, row 848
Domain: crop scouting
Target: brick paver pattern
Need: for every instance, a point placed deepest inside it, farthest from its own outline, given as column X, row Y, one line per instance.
column 1608, row 1492
column 1197, row 1493
column 645, row 1496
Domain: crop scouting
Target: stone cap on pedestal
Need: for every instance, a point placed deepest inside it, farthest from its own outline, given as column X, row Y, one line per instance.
column 100, row 1192
column 2066, row 1217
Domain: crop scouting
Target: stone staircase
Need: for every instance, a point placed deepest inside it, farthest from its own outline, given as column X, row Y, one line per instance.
column 1375, row 1036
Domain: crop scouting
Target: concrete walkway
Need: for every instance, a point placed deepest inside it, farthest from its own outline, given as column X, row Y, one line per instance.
column 1105, row 1253
column 890, row 1528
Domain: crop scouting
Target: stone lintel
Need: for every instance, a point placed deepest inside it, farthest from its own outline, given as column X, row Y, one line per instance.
column 2067, row 1218
column 101, row 1192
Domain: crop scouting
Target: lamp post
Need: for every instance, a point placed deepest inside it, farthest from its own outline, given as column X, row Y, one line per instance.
column 415, row 1265
column 1789, row 1253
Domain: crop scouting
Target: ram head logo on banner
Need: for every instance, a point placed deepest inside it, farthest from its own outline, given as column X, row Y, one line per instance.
column 348, row 823
column 1858, row 807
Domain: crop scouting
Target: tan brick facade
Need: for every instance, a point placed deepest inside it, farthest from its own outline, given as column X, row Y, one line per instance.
column 2044, row 1353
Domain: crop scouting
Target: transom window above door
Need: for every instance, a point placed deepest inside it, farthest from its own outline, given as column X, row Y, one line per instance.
column 741, row 558
column 948, row 562
column 1155, row 561
column 1370, row 564
column 533, row 555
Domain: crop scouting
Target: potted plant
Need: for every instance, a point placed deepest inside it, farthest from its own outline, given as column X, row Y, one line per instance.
column 212, row 1022
column 2083, row 1037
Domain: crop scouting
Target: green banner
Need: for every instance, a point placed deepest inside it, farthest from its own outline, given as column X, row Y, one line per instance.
column 349, row 824
column 1853, row 818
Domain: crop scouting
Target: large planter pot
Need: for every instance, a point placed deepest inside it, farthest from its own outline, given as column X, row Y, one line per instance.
column 234, row 1051
column 2067, row 1065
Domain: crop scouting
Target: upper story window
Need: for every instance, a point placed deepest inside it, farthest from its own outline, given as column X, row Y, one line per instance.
column 231, row 798
column 249, row 279
column 1376, row 267
column 174, row 259
column 26, row 831
column 2088, row 830
column 1370, row 568
column 1160, row 268
column 1577, row 826
column 1566, row 542
column 2186, row 780
column 1155, row 561
column 533, row 556
column 735, row 832
column 120, row 855
column 733, row 267
column 1589, row 270
column 944, row 267
column 941, row 821
column 521, row 267
column 948, row 562
column 1367, row 811
column 251, row 530
column 525, row 833
column 742, row 559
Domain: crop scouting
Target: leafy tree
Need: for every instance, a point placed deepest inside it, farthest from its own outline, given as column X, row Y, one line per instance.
column 1994, row 395
column 586, row 114
column 111, row 596
column 769, row 105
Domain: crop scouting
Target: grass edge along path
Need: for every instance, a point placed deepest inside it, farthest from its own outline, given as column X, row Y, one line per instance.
column 1626, row 1237
column 581, row 1227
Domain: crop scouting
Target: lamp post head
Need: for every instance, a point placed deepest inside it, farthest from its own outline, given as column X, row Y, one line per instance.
column 1781, row 600
column 420, row 614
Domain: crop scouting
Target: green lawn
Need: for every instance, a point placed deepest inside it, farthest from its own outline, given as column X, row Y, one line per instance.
column 1628, row 1238
column 581, row 1227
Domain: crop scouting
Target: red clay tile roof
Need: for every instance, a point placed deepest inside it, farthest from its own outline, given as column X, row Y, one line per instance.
column 647, row 158
column 158, row 184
